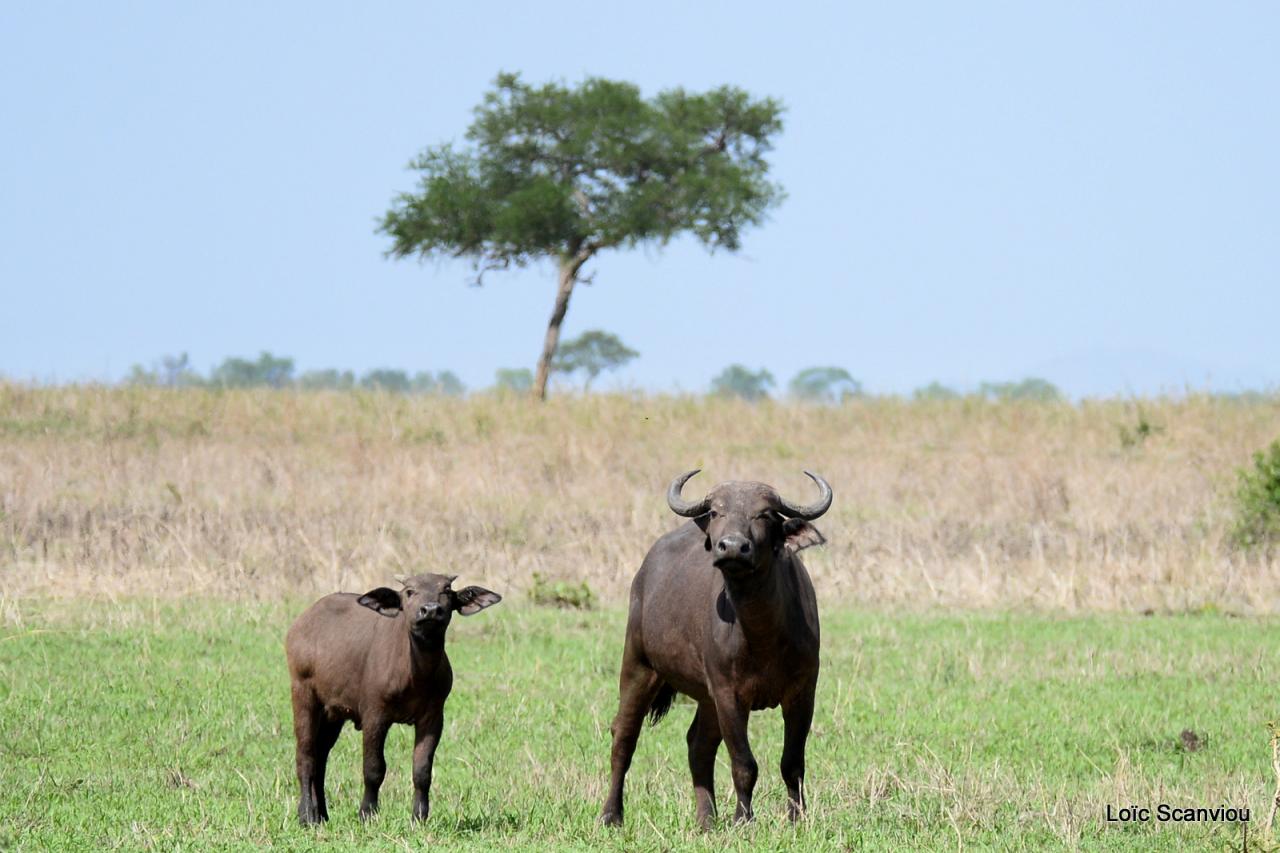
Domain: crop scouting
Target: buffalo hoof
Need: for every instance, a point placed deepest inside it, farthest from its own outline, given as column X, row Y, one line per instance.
column 611, row 818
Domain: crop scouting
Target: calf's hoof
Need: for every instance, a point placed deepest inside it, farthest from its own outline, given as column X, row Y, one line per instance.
column 311, row 817
column 609, row 817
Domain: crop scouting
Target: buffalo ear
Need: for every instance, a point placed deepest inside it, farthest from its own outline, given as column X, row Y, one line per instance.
column 800, row 534
column 473, row 599
column 383, row 599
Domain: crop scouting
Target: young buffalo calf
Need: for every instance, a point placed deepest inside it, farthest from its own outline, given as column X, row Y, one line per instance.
column 374, row 659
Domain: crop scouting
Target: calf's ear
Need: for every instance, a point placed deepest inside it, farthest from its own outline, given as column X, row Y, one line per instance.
column 473, row 599
column 800, row 534
column 383, row 599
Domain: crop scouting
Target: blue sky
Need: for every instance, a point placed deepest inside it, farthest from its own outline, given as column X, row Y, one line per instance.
column 1084, row 191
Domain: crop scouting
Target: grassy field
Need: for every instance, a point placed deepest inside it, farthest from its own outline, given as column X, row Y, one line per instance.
column 1025, row 605
column 167, row 725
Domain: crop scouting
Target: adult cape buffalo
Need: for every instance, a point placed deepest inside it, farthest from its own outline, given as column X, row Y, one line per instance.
column 722, row 610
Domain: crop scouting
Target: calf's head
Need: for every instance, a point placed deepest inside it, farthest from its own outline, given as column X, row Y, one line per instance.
column 748, row 524
column 428, row 602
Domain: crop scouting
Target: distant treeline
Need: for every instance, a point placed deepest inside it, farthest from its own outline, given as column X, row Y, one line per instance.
column 270, row 371
column 814, row 384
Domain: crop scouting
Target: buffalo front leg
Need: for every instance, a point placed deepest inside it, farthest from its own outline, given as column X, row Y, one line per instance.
column 637, row 687
column 704, row 740
column 426, row 739
column 797, row 716
column 732, row 716
column 375, row 765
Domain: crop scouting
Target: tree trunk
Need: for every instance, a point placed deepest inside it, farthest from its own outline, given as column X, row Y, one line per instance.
column 569, row 267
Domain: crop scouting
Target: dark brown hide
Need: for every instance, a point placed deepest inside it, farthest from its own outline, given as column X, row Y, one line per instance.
column 374, row 659
column 723, row 611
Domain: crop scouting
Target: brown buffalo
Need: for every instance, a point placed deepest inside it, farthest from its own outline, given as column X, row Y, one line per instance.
column 722, row 610
column 374, row 659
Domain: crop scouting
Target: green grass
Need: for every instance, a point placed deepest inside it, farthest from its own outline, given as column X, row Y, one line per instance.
column 139, row 726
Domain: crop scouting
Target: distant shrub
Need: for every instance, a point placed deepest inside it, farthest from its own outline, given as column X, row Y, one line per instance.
column 570, row 596
column 169, row 372
column 935, row 391
column 1248, row 397
column 268, row 371
column 517, row 380
column 737, row 381
column 1137, row 435
column 330, row 379
column 1257, row 500
column 1031, row 388
column 386, row 379
column 445, row 383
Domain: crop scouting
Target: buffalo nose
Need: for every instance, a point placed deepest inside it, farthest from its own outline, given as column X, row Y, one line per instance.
column 429, row 611
column 734, row 546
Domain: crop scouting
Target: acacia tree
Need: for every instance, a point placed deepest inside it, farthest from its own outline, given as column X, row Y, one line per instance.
column 592, row 352
column 737, row 381
column 563, row 173
column 825, row 385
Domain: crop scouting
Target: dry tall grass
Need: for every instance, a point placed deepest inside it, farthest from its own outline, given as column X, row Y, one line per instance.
column 125, row 492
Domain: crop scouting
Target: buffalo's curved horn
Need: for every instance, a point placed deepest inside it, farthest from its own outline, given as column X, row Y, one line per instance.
column 813, row 510
column 679, row 505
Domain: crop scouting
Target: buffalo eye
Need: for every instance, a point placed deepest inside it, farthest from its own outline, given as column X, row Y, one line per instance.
column 714, row 514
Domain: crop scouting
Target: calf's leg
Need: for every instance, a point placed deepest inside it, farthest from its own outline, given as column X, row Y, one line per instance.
column 375, row 764
column 637, row 687
column 326, row 736
column 426, row 739
column 307, row 718
column 704, row 741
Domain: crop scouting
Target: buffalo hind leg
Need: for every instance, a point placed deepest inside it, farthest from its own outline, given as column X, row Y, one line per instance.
column 704, row 741
column 733, row 716
column 637, row 687
column 797, row 716
column 307, row 724
column 375, row 765
column 326, row 736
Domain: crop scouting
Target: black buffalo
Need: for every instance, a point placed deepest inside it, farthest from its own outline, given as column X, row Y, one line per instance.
column 722, row 610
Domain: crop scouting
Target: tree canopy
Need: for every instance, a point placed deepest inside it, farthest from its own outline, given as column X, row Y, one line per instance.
column 560, row 173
